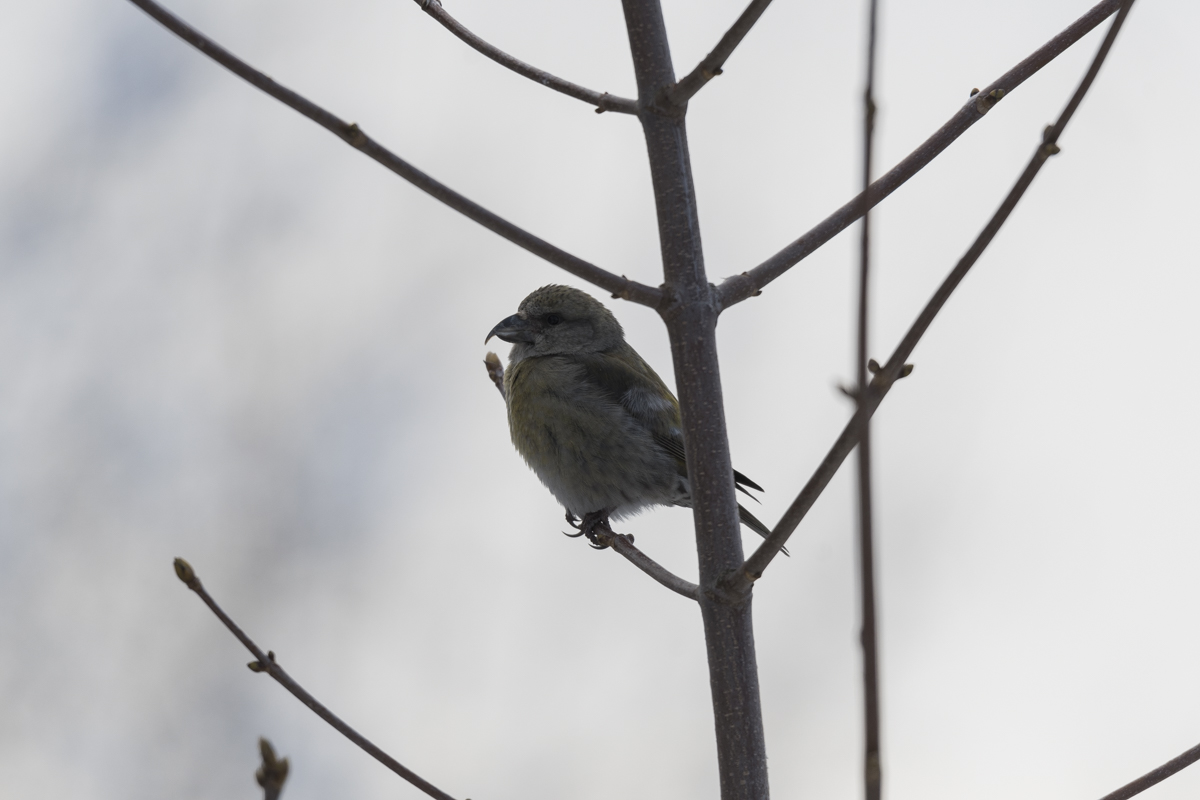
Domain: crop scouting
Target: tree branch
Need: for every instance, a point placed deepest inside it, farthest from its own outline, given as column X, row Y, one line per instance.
column 737, row 288
column 1154, row 776
column 623, row 544
column 872, row 763
column 265, row 662
column 690, row 315
column 603, row 101
column 896, row 368
column 351, row 134
column 711, row 66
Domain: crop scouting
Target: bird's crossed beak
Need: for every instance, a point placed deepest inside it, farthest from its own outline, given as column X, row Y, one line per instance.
column 512, row 330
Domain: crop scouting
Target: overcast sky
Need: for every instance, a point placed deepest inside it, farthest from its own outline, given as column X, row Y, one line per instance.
column 225, row 335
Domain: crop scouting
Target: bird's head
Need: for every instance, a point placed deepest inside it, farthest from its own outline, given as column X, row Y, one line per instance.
column 559, row 320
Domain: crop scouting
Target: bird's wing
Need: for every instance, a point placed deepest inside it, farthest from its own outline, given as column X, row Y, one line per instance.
column 631, row 383
column 627, row 381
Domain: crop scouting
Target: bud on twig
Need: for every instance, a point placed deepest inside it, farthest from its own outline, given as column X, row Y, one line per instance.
column 273, row 772
column 186, row 574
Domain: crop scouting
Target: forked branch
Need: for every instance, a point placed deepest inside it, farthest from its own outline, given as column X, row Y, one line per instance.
column 748, row 284
column 350, row 133
column 603, row 101
column 886, row 377
column 265, row 662
column 711, row 66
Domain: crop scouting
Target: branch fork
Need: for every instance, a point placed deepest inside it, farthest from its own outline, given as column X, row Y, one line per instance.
column 886, row 377
column 602, row 100
column 692, row 316
column 750, row 283
column 713, row 64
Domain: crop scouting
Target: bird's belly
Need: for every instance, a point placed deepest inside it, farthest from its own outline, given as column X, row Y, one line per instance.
column 592, row 456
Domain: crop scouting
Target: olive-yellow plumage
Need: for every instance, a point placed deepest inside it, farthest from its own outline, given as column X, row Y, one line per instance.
column 588, row 414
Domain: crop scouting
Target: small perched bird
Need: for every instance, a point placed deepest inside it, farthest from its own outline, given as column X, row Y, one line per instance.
column 590, row 416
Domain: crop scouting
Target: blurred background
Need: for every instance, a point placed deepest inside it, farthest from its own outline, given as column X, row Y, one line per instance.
column 224, row 335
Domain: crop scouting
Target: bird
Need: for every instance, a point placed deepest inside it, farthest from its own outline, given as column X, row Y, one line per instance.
column 590, row 417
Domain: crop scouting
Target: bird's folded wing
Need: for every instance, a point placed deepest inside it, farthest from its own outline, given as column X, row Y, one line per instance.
column 629, row 382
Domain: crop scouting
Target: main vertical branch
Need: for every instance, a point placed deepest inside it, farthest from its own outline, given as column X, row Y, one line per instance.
column 872, row 768
column 690, row 313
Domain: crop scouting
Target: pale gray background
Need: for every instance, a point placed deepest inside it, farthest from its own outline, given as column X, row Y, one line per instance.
column 226, row 335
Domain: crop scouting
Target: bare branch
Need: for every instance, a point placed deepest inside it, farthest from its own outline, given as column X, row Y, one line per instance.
column 623, row 544
column 273, row 772
column 691, row 321
column 265, row 662
column 603, row 101
column 711, row 66
column 1154, row 776
column 351, row 134
column 885, row 378
column 872, row 762
column 737, row 288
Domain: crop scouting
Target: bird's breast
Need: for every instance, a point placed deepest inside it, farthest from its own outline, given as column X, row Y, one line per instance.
column 584, row 446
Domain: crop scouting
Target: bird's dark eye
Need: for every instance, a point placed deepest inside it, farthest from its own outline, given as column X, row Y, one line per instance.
column 553, row 319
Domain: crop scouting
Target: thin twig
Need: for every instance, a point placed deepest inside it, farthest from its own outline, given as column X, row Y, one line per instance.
column 353, row 135
column 1157, row 775
column 711, row 66
column 872, row 762
column 265, row 662
column 602, row 100
column 737, row 288
column 896, row 367
column 623, row 544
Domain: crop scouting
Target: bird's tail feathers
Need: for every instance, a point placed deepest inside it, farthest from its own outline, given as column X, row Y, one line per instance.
column 752, row 522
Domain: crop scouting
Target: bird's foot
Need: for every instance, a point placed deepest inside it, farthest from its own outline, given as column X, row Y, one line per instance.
column 599, row 532
column 573, row 521
column 595, row 527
